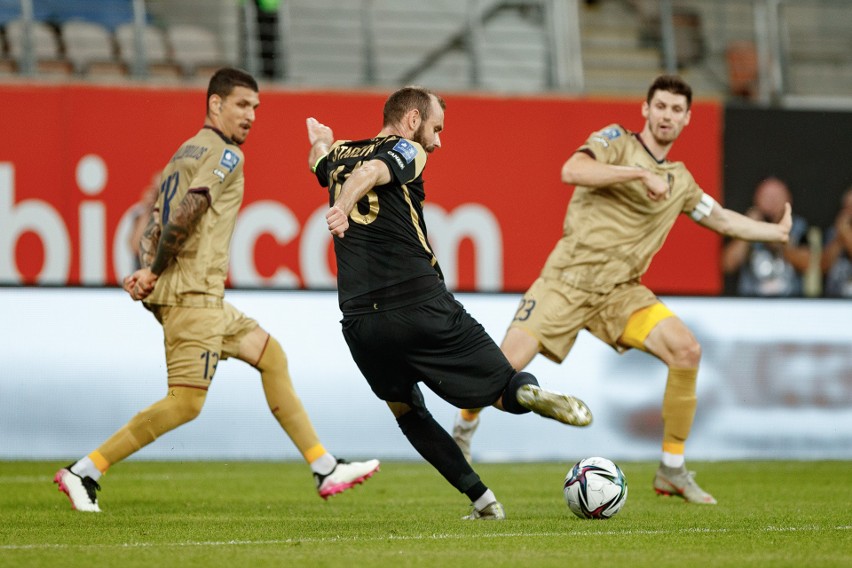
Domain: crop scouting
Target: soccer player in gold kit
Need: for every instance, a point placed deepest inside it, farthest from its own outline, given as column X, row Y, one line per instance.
column 184, row 258
column 627, row 198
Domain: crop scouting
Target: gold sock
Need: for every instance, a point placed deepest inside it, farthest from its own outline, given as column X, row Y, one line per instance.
column 284, row 402
column 99, row 460
column 181, row 405
column 470, row 414
column 679, row 403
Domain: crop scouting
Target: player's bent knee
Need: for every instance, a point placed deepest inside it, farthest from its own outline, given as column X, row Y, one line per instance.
column 186, row 403
column 688, row 354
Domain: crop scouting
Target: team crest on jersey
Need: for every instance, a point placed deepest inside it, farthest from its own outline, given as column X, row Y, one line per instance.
column 406, row 149
column 229, row 160
column 611, row 133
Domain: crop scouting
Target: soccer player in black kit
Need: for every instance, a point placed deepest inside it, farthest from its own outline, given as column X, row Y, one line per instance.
column 401, row 324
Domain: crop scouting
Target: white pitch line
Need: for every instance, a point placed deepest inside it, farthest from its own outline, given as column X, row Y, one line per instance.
column 436, row 537
column 10, row 479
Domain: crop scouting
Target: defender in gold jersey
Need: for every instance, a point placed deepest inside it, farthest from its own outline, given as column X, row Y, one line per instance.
column 626, row 201
column 184, row 258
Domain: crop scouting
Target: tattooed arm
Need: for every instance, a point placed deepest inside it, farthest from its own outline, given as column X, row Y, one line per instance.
column 178, row 229
column 150, row 239
column 160, row 247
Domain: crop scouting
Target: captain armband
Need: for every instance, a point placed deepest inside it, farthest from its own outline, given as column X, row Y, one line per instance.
column 703, row 208
column 314, row 167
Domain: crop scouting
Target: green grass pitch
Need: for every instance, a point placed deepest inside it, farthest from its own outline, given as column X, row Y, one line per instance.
column 211, row 514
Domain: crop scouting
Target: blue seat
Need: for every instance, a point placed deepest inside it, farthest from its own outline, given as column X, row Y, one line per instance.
column 108, row 13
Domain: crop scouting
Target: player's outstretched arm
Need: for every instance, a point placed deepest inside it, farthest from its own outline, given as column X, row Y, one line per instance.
column 321, row 138
column 736, row 225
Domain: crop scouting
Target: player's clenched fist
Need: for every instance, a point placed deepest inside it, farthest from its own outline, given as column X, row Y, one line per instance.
column 338, row 221
column 140, row 284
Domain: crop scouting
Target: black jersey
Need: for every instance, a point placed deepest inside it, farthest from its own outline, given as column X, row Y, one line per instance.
column 386, row 243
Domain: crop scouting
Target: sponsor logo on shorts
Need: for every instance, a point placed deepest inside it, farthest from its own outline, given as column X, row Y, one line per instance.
column 219, row 174
column 600, row 140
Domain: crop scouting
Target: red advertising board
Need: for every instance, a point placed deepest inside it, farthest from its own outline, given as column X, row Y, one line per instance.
column 75, row 158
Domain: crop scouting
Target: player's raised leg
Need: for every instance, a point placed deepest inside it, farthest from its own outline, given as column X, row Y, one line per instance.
column 523, row 394
column 519, row 347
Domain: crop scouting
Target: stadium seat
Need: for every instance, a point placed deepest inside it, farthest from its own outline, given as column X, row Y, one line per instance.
column 45, row 42
column 7, row 64
column 90, row 48
column 196, row 49
column 158, row 58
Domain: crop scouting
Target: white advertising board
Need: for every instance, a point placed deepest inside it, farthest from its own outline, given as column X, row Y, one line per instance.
column 76, row 364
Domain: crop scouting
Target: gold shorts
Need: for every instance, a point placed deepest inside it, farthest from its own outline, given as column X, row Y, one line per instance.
column 196, row 339
column 554, row 313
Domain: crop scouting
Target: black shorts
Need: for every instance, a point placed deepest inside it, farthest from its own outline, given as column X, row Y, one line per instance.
column 433, row 341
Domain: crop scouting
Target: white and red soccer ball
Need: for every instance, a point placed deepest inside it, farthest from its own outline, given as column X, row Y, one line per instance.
column 595, row 488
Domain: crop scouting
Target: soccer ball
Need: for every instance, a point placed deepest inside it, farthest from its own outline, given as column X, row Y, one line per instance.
column 595, row 488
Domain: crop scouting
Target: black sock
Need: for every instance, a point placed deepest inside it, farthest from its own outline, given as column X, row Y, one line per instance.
column 510, row 395
column 439, row 449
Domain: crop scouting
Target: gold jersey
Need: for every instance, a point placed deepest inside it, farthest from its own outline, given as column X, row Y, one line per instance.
column 610, row 234
column 207, row 161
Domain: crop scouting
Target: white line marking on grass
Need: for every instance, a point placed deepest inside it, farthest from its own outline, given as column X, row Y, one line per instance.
column 9, row 479
column 437, row 537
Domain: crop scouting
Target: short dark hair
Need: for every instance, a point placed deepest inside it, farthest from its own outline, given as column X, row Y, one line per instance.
column 673, row 84
column 406, row 99
column 225, row 79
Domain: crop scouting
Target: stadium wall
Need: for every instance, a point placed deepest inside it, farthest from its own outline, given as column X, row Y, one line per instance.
column 775, row 383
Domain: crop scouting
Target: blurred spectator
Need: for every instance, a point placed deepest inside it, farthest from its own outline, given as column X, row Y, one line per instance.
column 836, row 262
column 141, row 214
column 763, row 269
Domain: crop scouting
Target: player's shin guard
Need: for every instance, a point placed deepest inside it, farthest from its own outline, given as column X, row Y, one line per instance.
column 510, row 395
column 679, row 403
column 285, row 403
column 438, row 448
column 181, row 405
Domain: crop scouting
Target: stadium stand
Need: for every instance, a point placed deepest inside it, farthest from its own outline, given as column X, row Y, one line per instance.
column 502, row 45
column 7, row 64
column 90, row 48
column 196, row 49
column 108, row 13
column 431, row 48
column 814, row 45
column 157, row 53
column 615, row 57
column 48, row 51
